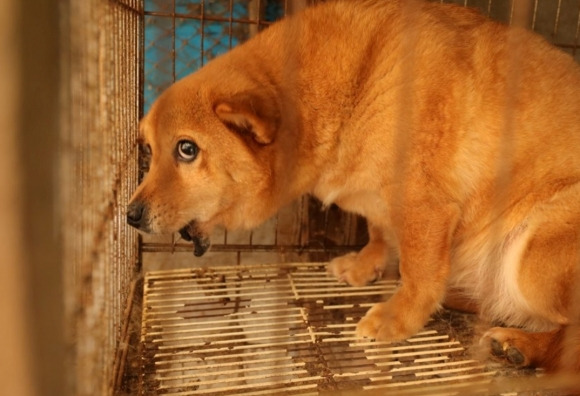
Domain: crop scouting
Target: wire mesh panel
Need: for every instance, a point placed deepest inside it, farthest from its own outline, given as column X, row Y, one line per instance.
column 98, row 174
column 181, row 36
column 286, row 330
column 556, row 20
column 290, row 329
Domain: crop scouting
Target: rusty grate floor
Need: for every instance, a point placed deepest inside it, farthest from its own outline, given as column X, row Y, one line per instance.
column 261, row 330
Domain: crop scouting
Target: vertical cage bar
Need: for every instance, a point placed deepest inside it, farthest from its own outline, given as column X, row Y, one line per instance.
column 557, row 19
column 98, row 173
column 577, row 34
column 202, row 32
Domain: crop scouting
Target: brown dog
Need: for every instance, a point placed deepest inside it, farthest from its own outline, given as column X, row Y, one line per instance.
column 457, row 138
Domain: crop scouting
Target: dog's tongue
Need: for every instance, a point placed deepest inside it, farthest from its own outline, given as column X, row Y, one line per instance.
column 201, row 242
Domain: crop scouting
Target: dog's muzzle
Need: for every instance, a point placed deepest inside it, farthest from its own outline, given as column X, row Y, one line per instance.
column 138, row 217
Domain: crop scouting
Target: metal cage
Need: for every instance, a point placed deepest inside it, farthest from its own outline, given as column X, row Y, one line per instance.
column 118, row 56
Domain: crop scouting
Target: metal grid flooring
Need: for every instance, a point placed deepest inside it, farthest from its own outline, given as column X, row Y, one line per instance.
column 289, row 329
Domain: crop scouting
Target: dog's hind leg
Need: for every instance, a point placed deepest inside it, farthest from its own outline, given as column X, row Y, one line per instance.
column 548, row 279
column 366, row 266
column 549, row 272
column 455, row 299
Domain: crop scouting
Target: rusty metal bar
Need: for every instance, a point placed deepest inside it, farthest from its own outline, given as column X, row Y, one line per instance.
column 152, row 247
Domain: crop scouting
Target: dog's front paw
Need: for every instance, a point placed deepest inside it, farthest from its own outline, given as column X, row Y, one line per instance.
column 355, row 270
column 385, row 323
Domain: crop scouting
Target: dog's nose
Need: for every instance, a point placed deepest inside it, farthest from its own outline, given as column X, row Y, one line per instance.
column 136, row 216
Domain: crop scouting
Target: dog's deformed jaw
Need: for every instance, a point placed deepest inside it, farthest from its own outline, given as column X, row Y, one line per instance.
column 201, row 242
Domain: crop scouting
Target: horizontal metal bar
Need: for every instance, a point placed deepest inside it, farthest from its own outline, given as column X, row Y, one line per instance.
column 208, row 18
column 156, row 247
column 571, row 46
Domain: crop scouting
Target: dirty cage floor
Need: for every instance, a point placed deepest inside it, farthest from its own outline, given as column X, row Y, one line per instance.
column 286, row 328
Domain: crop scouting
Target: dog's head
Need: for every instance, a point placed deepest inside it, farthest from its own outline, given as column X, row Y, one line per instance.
column 211, row 160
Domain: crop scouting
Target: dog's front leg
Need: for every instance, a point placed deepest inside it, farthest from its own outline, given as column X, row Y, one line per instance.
column 366, row 266
column 425, row 230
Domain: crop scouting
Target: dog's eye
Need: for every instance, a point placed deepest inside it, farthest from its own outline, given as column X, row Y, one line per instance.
column 144, row 157
column 186, row 150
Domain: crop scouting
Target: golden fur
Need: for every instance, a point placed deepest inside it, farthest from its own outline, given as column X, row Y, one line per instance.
column 457, row 138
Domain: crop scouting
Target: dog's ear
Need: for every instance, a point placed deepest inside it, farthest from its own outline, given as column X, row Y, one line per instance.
column 251, row 115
